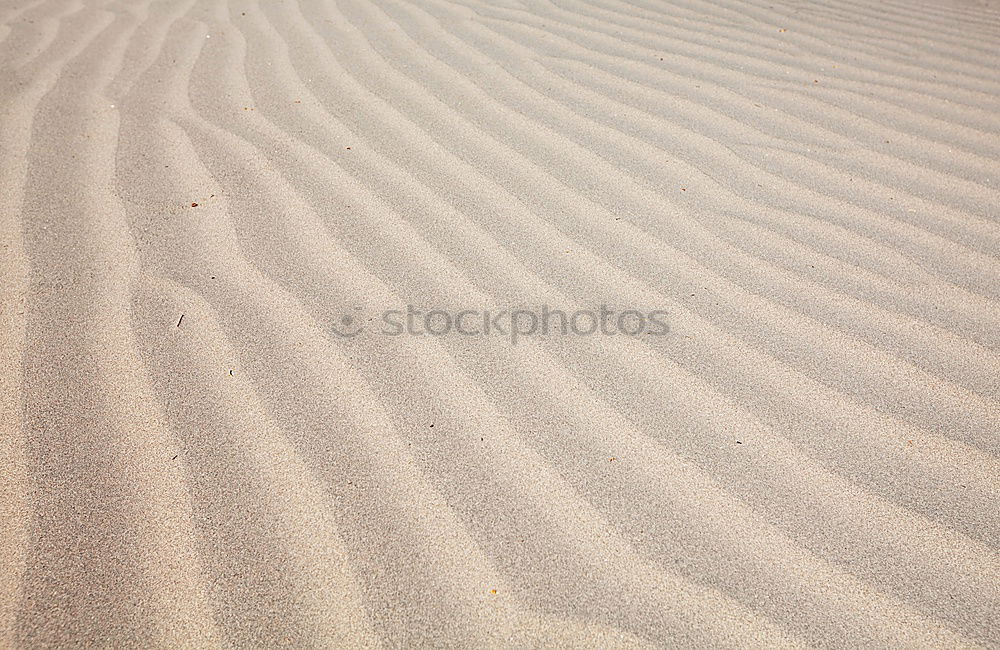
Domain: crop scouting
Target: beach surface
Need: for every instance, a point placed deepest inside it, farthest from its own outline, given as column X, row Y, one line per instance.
column 216, row 214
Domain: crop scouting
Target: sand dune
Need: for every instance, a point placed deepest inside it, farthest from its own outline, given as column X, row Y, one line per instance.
column 199, row 197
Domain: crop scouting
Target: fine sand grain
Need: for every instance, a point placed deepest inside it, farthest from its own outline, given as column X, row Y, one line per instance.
column 197, row 197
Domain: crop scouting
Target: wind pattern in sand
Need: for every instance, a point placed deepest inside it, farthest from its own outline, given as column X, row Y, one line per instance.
column 194, row 193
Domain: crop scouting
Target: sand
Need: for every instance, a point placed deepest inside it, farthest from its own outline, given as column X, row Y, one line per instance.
column 198, row 198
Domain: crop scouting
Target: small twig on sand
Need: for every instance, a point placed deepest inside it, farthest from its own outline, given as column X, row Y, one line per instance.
column 179, row 320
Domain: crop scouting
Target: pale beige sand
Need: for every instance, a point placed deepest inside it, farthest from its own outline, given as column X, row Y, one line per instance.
column 809, row 189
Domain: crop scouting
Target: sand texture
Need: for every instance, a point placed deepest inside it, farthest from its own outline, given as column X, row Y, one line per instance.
column 198, row 196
